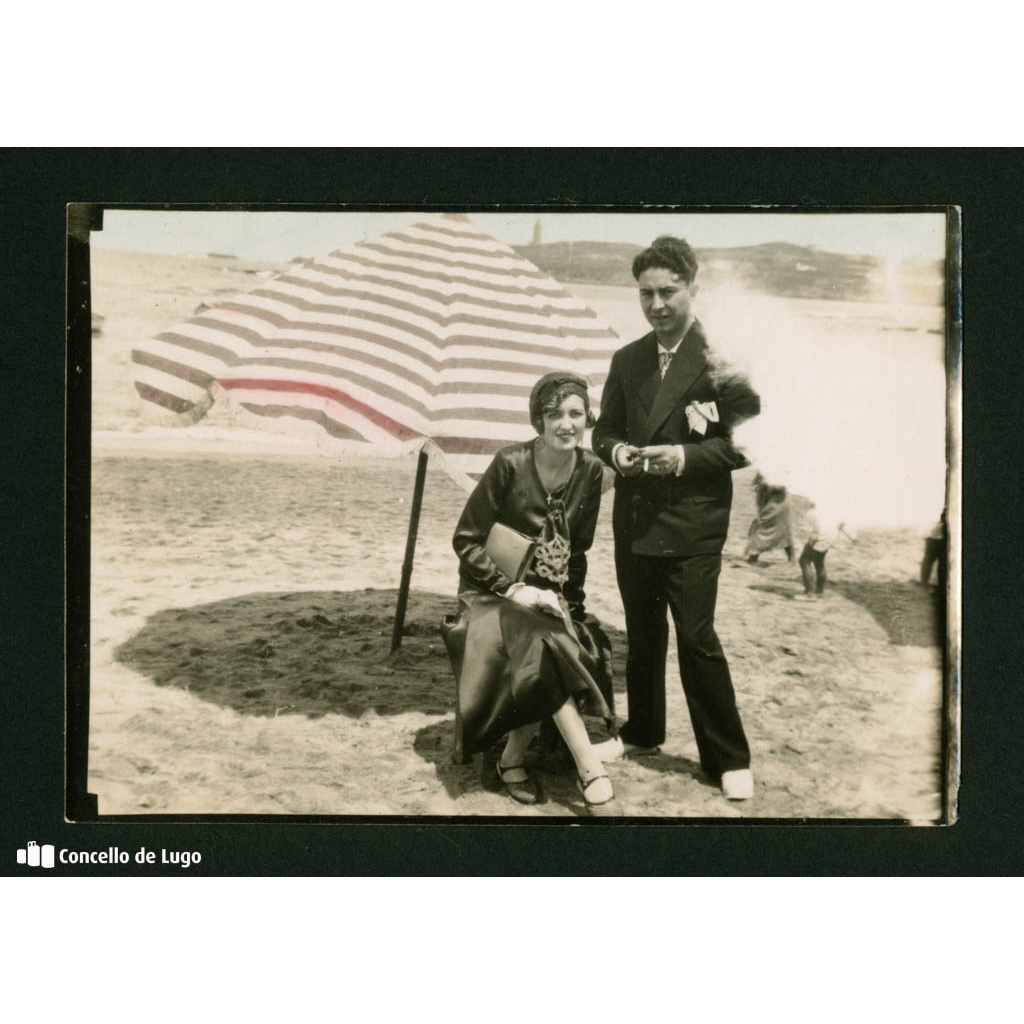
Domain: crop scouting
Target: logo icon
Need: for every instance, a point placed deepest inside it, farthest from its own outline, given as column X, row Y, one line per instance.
column 36, row 856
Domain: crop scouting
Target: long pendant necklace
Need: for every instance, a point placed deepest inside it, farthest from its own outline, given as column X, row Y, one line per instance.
column 549, row 494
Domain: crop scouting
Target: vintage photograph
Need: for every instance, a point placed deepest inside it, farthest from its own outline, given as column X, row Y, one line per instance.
column 480, row 514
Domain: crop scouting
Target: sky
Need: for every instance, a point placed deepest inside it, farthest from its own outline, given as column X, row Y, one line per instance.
column 277, row 237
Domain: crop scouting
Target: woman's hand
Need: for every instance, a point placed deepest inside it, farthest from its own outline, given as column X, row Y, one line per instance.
column 536, row 598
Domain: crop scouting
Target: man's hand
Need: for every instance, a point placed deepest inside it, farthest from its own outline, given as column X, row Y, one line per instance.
column 659, row 459
column 627, row 460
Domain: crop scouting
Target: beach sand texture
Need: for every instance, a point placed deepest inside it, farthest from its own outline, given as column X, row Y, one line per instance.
column 242, row 598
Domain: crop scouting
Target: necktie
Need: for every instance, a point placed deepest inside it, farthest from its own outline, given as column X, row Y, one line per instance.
column 664, row 359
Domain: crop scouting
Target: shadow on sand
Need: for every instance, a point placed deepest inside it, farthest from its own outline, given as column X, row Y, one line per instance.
column 672, row 764
column 911, row 614
column 315, row 653
column 778, row 589
column 306, row 652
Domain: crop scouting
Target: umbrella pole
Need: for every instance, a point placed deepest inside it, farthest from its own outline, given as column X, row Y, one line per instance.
column 410, row 550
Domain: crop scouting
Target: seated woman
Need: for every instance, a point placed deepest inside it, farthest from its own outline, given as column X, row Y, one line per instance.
column 524, row 650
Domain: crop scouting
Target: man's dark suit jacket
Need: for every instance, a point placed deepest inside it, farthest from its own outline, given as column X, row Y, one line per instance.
column 668, row 515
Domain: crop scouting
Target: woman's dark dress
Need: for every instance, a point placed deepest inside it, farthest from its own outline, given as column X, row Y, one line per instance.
column 515, row 665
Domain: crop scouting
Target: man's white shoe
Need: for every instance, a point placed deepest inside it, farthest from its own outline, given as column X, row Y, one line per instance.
column 738, row 784
column 615, row 749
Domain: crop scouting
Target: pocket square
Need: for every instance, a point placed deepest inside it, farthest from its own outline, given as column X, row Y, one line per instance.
column 699, row 414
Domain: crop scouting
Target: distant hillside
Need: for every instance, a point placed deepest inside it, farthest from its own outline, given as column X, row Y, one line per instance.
column 587, row 262
column 776, row 268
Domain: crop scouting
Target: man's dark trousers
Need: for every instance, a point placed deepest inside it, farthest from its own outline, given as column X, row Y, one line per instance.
column 687, row 586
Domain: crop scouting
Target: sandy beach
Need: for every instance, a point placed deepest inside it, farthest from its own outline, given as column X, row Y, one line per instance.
column 243, row 590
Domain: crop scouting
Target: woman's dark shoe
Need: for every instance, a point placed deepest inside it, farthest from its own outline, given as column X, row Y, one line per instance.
column 524, row 791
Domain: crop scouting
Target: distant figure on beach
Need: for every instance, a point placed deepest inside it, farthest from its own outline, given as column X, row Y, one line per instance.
column 935, row 553
column 667, row 413
column 771, row 526
column 523, row 648
column 820, row 538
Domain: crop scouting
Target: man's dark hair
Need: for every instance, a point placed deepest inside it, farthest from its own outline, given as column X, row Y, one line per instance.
column 672, row 253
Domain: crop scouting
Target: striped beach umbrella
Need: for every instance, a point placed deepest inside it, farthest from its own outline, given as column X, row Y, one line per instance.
column 425, row 338
column 428, row 338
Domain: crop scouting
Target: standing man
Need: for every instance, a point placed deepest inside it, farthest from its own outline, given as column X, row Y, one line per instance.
column 665, row 427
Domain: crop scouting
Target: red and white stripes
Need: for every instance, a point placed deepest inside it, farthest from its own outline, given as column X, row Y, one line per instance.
column 433, row 332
